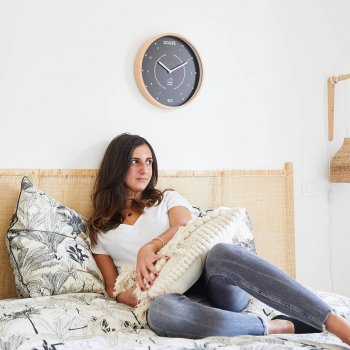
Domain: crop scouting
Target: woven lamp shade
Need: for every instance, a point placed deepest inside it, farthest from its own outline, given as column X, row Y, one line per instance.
column 340, row 166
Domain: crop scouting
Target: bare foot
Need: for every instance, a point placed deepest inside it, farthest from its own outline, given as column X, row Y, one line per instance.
column 280, row 326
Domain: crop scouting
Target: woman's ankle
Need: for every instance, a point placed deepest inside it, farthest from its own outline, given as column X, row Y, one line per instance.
column 338, row 326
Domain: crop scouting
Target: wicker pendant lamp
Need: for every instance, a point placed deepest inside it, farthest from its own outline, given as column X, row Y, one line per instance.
column 340, row 165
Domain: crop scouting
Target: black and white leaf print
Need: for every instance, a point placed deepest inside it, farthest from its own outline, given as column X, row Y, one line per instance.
column 68, row 267
column 247, row 240
column 248, row 222
column 58, row 329
column 81, row 321
column 71, row 218
column 13, row 342
column 49, row 239
column 21, row 289
column 14, row 238
column 48, row 283
column 76, row 254
column 52, row 224
column 86, row 298
column 25, row 313
column 48, row 248
column 105, row 327
column 96, row 273
column 30, row 261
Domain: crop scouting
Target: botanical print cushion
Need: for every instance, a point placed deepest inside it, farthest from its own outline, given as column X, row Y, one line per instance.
column 47, row 247
column 187, row 251
column 244, row 235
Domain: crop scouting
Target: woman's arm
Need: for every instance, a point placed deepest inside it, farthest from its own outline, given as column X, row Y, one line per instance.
column 178, row 216
column 110, row 274
column 108, row 270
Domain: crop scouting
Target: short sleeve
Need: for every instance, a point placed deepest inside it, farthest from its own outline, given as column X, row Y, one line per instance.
column 174, row 199
column 98, row 248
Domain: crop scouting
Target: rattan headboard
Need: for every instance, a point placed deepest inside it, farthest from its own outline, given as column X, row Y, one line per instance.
column 267, row 196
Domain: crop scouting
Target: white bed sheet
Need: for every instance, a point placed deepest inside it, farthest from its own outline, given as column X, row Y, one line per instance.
column 92, row 321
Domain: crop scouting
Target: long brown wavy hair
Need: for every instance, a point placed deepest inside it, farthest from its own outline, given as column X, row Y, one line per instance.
column 109, row 197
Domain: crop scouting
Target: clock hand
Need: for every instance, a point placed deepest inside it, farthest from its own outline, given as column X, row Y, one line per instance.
column 182, row 64
column 164, row 66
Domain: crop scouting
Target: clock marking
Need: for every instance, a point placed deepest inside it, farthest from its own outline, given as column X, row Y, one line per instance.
column 155, row 75
column 184, row 72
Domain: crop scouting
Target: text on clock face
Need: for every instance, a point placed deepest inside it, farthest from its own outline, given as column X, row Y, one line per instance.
column 167, row 42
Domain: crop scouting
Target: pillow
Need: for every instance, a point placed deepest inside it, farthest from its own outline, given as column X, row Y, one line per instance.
column 47, row 247
column 244, row 235
column 187, row 251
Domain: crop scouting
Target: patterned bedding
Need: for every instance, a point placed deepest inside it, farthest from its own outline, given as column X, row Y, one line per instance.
column 93, row 321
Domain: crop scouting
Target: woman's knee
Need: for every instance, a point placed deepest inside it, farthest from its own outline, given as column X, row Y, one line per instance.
column 221, row 250
column 161, row 311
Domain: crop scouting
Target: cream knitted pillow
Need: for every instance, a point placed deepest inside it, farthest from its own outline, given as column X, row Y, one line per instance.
column 187, row 251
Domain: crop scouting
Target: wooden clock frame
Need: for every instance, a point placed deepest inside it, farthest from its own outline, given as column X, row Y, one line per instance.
column 138, row 72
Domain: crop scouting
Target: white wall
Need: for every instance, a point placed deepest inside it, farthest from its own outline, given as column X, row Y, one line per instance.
column 67, row 88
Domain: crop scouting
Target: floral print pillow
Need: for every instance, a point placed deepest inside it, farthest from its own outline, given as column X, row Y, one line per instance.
column 244, row 235
column 48, row 248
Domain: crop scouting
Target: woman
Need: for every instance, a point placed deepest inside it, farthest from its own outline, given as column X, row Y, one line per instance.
column 132, row 221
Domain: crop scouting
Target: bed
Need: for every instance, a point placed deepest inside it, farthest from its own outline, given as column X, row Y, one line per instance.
column 94, row 321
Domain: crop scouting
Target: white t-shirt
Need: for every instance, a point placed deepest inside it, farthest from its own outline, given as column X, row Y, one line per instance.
column 123, row 243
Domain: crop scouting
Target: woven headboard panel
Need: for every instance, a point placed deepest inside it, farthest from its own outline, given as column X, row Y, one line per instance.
column 267, row 196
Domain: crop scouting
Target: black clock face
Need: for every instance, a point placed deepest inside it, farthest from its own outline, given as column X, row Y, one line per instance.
column 171, row 71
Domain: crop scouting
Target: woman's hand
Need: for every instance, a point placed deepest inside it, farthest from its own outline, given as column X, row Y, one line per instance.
column 128, row 298
column 146, row 258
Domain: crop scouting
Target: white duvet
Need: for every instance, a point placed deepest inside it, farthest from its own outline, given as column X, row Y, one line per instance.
column 92, row 321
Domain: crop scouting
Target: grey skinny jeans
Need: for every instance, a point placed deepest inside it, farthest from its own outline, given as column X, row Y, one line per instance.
column 211, row 306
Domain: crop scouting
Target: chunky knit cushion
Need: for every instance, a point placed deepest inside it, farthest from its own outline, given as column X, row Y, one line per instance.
column 187, row 251
column 244, row 235
column 48, row 248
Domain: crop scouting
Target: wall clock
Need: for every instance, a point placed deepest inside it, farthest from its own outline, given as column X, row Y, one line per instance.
column 169, row 71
